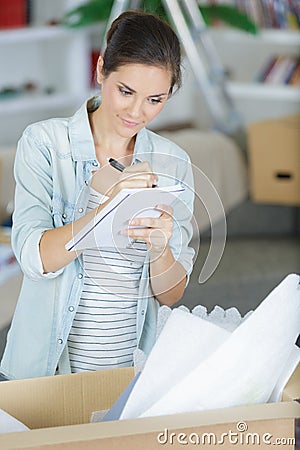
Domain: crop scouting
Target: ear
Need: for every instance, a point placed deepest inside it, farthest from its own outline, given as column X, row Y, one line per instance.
column 100, row 63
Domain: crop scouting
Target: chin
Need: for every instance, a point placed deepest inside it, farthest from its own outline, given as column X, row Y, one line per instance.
column 129, row 132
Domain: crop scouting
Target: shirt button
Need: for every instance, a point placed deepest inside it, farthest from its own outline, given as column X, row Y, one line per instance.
column 80, row 276
column 60, row 341
column 64, row 215
column 80, row 210
column 142, row 312
column 86, row 182
column 95, row 163
column 71, row 308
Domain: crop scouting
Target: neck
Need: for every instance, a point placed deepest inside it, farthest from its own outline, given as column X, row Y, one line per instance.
column 106, row 142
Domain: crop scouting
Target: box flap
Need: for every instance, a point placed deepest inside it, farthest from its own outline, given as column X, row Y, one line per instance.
column 63, row 399
column 292, row 389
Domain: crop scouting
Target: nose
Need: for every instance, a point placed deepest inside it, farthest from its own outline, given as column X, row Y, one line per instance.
column 135, row 108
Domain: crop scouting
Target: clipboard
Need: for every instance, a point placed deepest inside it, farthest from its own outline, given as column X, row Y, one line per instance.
column 104, row 229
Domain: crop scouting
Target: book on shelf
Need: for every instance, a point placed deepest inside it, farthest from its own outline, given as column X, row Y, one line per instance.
column 14, row 14
column 295, row 78
column 281, row 69
column 264, row 72
column 281, row 14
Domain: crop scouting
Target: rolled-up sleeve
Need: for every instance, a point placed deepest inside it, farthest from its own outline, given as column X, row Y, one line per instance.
column 33, row 198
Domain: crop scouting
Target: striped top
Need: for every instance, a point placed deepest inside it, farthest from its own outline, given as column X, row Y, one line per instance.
column 103, row 334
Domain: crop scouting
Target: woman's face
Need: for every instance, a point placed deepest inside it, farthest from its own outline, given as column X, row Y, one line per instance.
column 132, row 96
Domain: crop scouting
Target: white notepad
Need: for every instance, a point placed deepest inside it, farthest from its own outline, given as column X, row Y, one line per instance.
column 104, row 229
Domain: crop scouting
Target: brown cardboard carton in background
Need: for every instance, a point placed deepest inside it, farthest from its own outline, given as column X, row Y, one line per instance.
column 59, row 409
column 274, row 158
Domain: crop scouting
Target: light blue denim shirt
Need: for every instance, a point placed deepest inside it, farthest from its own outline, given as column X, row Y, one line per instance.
column 53, row 167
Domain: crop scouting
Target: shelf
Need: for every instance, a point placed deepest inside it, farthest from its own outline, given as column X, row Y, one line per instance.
column 26, row 34
column 263, row 91
column 264, row 36
column 49, row 56
column 37, row 103
column 281, row 37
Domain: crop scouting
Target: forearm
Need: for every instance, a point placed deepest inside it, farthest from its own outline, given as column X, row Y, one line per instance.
column 53, row 254
column 167, row 277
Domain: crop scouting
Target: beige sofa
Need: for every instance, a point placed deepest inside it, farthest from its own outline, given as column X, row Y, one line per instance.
column 220, row 170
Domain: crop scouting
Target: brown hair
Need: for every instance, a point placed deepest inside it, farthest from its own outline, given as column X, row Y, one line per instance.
column 142, row 38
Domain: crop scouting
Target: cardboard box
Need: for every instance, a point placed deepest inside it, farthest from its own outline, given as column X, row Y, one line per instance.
column 274, row 157
column 59, row 408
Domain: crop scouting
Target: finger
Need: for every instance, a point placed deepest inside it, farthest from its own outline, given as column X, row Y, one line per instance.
column 151, row 178
column 139, row 167
column 152, row 236
column 127, row 184
column 165, row 218
column 165, row 209
column 134, row 183
column 142, row 168
column 158, row 240
column 149, row 222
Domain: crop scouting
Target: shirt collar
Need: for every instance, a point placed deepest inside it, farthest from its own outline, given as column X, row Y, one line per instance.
column 80, row 135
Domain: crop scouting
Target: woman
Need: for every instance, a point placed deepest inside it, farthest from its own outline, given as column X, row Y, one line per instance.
column 89, row 310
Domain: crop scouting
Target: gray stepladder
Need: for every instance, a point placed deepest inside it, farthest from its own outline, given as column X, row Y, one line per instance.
column 203, row 58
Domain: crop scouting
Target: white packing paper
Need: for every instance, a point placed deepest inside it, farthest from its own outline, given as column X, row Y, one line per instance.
column 184, row 341
column 8, row 424
column 245, row 366
column 250, row 360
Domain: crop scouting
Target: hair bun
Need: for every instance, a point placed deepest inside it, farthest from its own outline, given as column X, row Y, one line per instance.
column 142, row 38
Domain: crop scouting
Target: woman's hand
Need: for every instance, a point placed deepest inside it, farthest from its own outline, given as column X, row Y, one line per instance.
column 156, row 232
column 139, row 175
column 167, row 276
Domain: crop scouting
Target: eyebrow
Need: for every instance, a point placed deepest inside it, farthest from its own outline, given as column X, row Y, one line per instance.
column 134, row 92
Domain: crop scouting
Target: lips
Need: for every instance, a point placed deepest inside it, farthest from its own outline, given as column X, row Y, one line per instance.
column 129, row 123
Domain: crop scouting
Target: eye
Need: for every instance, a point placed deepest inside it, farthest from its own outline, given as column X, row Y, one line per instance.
column 155, row 101
column 124, row 92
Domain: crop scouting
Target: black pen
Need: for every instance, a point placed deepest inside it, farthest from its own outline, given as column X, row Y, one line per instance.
column 114, row 163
